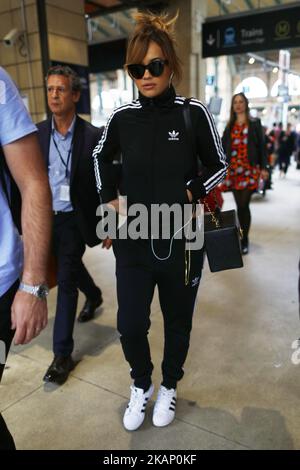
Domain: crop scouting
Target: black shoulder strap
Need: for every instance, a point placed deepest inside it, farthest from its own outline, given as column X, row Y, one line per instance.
column 191, row 139
column 190, row 133
column 189, row 127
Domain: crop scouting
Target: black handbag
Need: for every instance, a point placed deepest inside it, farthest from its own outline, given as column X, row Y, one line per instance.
column 222, row 241
column 222, row 233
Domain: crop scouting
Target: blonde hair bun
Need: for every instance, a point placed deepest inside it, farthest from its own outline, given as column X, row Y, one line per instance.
column 162, row 22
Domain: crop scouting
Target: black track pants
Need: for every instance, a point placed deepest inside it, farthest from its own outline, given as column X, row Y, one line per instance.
column 138, row 272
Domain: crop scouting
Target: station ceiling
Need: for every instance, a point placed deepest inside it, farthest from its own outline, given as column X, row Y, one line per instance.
column 111, row 19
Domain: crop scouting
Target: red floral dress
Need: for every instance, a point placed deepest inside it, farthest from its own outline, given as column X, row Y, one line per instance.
column 240, row 174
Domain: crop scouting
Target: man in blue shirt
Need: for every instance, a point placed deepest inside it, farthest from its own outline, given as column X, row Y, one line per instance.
column 23, row 307
column 67, row 142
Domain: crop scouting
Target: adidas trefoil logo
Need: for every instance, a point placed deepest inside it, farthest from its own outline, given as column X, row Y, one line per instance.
column 173, row 135
column 195, row 281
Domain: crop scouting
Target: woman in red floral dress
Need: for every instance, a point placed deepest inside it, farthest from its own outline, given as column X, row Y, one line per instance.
column 245, row 148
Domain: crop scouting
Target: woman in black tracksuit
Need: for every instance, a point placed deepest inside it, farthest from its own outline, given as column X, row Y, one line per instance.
column 157, row 167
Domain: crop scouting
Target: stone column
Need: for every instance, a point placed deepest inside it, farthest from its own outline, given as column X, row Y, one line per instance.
column 67, row 33
column 23, row 63
column 64, row 39
column 192, row 14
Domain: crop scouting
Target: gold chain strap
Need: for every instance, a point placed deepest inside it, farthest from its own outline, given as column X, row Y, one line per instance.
column 187, row 260
column 187, row 266
column 213, row 217
column 216, row 221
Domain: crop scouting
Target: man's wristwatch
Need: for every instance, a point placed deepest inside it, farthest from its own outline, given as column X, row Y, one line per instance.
column 41, row 291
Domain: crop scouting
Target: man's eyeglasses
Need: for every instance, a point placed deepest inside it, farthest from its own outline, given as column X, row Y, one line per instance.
column 155, row 67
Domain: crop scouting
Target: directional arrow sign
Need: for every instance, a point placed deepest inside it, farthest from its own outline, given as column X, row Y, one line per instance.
column 211, row 40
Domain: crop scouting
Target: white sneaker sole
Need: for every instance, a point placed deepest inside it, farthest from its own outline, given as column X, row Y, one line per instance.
column 162, row 424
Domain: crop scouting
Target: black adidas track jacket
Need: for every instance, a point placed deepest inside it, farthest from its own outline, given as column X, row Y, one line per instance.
column 157, row 165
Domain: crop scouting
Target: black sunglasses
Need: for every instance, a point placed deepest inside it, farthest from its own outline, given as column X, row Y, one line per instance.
column 156, row 68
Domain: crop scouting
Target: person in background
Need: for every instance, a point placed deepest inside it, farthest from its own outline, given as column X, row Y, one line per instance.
column 274, row 137
column 269, row 141
column 67, row 142
column 287, row 145
column 245, row 148
column 23, row 306
column 297, row 153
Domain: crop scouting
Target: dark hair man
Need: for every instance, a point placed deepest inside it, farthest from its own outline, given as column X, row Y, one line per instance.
column 67, row 142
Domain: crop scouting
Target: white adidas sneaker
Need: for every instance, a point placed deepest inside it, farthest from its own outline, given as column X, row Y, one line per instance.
column 135, row 411
column 164, row 408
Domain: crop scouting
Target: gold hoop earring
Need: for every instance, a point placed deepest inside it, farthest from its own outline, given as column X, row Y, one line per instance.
column 170, row 79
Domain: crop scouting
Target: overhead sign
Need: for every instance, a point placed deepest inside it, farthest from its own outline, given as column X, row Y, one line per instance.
column 274, row 29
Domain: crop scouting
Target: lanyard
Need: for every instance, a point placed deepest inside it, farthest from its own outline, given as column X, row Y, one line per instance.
column 66, row 165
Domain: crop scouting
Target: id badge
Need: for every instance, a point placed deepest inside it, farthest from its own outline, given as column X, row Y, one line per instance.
column 64, row 194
